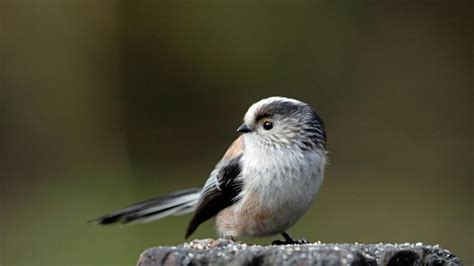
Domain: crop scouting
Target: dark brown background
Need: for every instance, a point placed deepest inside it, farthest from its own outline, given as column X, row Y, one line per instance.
column 104, row 103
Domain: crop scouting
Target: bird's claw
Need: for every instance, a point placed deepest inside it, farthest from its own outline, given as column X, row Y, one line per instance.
column 290, row 242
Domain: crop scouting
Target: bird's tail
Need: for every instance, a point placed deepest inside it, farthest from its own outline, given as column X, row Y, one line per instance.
column 177, row 203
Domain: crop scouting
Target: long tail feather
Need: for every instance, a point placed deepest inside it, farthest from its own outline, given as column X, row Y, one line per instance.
column 177, row 203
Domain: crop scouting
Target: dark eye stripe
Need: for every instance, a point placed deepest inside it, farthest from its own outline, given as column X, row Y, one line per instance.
column 261, row 116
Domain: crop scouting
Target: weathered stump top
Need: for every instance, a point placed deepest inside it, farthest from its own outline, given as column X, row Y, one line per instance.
column 225, row 252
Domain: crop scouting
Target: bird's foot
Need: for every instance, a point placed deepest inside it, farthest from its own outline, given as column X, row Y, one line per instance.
column 290, row 241
column 293, row 242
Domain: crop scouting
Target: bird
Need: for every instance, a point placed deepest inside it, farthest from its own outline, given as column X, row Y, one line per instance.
column 265, row 182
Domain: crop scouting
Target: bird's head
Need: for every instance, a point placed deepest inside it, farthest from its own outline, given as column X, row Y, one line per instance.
column 279, row 122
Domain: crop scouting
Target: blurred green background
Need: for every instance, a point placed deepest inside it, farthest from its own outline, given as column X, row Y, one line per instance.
column 105, row 103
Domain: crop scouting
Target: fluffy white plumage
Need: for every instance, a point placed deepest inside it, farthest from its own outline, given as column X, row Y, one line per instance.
column 284, row 178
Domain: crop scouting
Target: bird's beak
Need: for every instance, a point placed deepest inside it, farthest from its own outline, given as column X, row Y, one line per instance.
column 244, row 129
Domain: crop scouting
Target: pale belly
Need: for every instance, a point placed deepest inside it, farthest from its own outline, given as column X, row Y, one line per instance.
column 278, row 190
column 268, row 211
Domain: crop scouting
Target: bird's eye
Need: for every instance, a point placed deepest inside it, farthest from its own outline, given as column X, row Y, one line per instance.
column 267, row 125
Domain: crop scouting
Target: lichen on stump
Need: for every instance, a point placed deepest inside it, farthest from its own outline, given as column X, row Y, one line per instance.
column 225, row 252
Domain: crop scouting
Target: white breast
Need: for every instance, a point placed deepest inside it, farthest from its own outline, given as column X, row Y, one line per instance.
column 278, row 189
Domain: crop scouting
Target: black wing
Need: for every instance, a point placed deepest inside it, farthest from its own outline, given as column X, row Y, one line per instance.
column 219, row 192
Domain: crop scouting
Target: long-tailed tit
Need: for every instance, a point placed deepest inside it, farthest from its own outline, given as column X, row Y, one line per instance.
column 265, row 182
